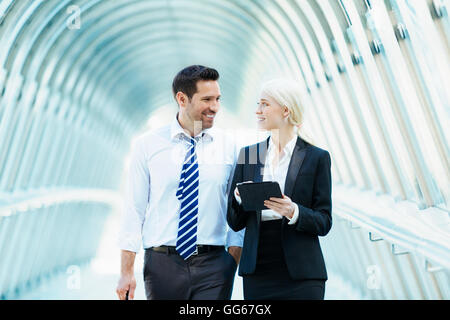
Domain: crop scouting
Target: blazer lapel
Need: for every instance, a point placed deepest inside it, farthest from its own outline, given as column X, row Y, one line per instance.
column 294, row 166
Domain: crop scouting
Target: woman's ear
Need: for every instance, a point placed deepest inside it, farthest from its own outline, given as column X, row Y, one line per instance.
column 286, row 111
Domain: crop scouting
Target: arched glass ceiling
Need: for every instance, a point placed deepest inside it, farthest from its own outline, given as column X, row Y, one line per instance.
column 124, row 43
column 118, row 63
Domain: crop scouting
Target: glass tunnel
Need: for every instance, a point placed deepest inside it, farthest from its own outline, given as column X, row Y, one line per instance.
column 79, row 80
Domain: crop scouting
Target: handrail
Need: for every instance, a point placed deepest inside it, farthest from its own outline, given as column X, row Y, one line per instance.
column 402, row 223
column 34, row 199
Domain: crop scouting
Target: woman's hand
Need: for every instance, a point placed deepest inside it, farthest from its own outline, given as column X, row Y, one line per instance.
column 283, row 206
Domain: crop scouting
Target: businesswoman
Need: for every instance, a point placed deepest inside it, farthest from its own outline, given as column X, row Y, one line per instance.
column 281, row 256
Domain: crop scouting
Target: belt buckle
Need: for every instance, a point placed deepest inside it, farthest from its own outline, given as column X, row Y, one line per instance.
column 195, row 252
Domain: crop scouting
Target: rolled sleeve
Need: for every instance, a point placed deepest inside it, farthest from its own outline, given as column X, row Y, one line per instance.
column 238, row 198
column 235, row 239
column 137, row 196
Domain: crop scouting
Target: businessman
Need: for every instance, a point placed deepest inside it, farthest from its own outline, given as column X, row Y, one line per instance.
column 176, row 200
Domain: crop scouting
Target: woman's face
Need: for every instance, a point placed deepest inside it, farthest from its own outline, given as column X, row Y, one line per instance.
column 269, row 114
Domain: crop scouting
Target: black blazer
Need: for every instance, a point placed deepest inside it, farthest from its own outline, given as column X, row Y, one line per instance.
column 308, row 184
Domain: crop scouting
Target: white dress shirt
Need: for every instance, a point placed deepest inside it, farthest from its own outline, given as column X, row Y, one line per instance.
column 275, row 169
column 151, row 208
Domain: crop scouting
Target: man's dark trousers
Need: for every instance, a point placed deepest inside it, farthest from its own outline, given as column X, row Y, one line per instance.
column 206, row 276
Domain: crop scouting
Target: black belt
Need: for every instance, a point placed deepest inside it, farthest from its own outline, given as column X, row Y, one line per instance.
column 201, row 248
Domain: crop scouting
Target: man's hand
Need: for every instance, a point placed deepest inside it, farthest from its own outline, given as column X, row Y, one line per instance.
column 237, row 195
column 127, row 283
column 235, row 252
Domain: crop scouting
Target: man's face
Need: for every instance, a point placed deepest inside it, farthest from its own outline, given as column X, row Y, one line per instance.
column 204, row 104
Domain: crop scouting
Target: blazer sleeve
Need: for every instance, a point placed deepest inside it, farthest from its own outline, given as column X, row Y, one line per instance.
column 236, row 215
column 317, row 219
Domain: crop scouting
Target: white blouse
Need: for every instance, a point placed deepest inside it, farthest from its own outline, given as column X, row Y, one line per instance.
column 275, row 169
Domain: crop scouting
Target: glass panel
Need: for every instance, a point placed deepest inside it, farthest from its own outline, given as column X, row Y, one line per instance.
column 409, row 112
column 428, row 60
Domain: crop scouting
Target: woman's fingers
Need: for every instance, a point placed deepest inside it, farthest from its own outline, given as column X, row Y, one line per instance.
column 279, row 200
column 273, row 205
column 282, row 206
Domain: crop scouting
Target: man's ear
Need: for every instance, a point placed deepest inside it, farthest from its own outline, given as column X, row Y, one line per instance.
column 181, row 99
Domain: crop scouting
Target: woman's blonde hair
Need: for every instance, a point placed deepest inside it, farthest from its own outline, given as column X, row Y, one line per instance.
column 287, row 93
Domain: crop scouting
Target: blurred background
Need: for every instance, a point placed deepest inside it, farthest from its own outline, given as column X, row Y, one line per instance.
column 80, row 79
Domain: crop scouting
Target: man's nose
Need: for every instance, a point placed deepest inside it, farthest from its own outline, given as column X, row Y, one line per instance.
column 215, row 106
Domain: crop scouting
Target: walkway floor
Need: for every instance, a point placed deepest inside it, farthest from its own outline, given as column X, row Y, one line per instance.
column 98, row 279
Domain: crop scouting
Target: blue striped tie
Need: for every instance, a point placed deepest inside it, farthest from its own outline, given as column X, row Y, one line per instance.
column 187, row 193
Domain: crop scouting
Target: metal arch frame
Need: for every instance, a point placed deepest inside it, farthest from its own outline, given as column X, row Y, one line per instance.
column 287, row 48
column 342, row 97
column 67, row 101
column 304, row 59
column 302, row 32
column 65, row 105
column 379, row 97
column 290, row 56
column 11, row 37
column 385, row 105
column 55, row 11
column 129, row 46
column 345, row 57
column 431, row 83
column 289, row 12
column 409, row 123
column 307, row 72
column 141, row 60
column 313, row 76
column 107, row 69
column 126, row 74
column 329, row 102
column 32, row 36
column 18, row 32
column 357, row 104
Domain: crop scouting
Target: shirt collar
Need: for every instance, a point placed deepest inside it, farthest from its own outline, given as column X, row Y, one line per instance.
column 288, row 148
column 177, row 131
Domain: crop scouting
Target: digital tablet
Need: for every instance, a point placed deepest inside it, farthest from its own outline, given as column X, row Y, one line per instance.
column 253, row 194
